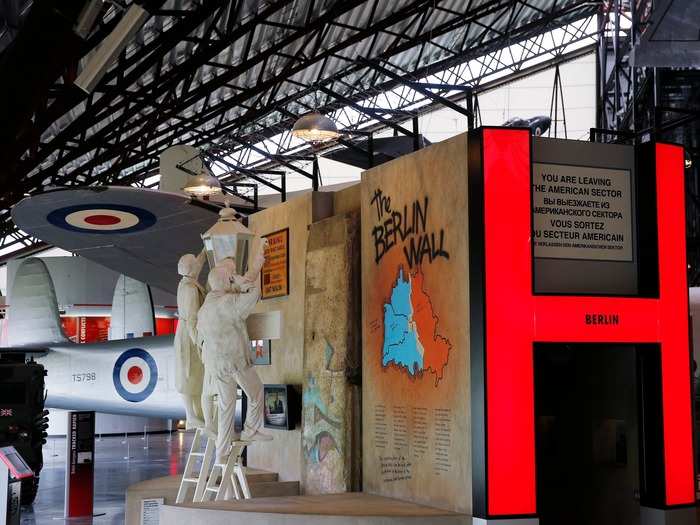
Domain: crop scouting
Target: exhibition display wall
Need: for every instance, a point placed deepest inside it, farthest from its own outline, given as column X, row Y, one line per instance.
column 479, row 250
column 415, row 376
column 645, row 307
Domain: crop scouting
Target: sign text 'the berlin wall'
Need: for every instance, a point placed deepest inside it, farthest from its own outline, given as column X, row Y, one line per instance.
column 407, row 225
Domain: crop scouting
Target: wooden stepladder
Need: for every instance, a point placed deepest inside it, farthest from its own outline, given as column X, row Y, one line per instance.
column 228, row 479
column 189, row 476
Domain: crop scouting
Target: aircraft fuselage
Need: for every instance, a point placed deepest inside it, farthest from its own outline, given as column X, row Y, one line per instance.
column 128, row 376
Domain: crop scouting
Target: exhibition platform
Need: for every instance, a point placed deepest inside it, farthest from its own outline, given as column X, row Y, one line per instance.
column 355, row 508
column 262, row 484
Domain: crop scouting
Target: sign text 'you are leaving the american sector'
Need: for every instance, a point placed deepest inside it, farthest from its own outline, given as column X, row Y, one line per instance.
column 582, row 213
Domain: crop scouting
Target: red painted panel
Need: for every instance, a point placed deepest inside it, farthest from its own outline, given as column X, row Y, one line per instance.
column 562, row 319
column 515, row 320
column 165, row 326
column 509, row 323
column 675, row 358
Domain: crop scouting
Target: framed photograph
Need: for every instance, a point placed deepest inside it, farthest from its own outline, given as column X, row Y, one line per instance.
column 260, row 351
column 275, row 272
column 279, row 407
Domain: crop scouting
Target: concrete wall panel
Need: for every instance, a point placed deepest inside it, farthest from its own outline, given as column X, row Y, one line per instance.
column 283, row 454
column 331, row 436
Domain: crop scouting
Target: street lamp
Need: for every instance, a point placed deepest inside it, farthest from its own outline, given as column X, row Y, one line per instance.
column 228, row 238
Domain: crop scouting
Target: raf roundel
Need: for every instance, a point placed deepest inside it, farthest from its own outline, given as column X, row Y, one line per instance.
column 102, row 218
column 135, row 375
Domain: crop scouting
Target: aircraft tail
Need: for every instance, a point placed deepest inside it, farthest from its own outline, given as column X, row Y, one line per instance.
column 132, row 310
column 33, row 316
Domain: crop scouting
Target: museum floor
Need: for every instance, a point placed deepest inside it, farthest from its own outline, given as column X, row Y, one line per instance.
column 113, row 473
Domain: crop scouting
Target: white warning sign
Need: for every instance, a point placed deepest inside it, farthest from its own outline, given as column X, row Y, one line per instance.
column 582, row 213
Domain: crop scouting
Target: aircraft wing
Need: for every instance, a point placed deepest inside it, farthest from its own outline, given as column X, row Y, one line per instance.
column 137, row 232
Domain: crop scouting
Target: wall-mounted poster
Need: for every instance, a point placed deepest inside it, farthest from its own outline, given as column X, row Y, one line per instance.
column 275, row 271
column 281, row 407
column 260, row 351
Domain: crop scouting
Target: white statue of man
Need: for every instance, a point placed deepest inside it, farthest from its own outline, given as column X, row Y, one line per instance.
column 226, row 350
column 189, row 371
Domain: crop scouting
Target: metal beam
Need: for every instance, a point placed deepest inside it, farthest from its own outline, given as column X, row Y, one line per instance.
column 418, row 87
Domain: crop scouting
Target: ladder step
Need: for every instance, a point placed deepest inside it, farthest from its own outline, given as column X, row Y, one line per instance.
column 197, row 454
column 190, row 480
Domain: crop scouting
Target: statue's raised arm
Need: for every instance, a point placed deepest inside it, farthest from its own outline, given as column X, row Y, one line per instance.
column 257, row 262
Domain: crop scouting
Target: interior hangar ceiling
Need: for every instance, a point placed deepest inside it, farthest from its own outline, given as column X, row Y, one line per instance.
column 222, row 73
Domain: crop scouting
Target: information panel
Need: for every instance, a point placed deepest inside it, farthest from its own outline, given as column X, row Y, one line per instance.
column 415, row 338
column 80, row 470
column 275, row 271
column 582, row 213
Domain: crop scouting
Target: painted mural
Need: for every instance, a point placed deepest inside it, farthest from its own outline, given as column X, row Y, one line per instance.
column 324, row 402
column 411, row 340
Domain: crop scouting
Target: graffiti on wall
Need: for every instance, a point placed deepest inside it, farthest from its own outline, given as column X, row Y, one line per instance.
column 324, row 403
column 407, row 226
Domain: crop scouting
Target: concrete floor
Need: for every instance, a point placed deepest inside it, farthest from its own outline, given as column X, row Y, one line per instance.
column 113, row 473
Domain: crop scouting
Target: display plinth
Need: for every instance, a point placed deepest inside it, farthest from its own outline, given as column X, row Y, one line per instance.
column 682, row 516
column 262, row 484
column 354, row 508
column 506, row 521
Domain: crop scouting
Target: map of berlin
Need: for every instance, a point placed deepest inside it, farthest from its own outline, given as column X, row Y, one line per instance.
column 411, row 340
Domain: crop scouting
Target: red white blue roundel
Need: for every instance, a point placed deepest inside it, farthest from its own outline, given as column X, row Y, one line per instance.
column 102, row 218
column 135, row 375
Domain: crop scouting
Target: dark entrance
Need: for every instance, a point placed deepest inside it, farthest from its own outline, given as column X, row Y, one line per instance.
column 588, row 431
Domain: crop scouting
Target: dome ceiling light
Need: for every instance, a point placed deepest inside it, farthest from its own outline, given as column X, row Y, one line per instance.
column 202, row 185
column 315, row 127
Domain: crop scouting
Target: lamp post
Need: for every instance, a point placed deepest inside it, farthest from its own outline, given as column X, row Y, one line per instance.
column 228, row 238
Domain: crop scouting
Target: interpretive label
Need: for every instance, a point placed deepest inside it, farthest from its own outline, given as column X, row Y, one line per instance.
column 582, row 213
column 150, row 511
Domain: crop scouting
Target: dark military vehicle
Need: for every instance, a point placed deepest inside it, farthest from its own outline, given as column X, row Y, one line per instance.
column 23, row 420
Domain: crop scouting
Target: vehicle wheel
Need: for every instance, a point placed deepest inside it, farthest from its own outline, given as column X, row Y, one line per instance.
column 29, row 490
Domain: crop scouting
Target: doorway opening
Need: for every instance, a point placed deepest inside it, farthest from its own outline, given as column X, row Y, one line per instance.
column 587, row 425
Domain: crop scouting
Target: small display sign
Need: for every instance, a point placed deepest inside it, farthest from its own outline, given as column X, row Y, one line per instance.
column 150, row 510
column 280, row 407
column 260, row 351
column 275, row 271
column 582, row 213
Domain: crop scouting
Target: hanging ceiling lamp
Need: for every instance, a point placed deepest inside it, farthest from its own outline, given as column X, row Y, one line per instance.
column 315, row 127
column 202, row 185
